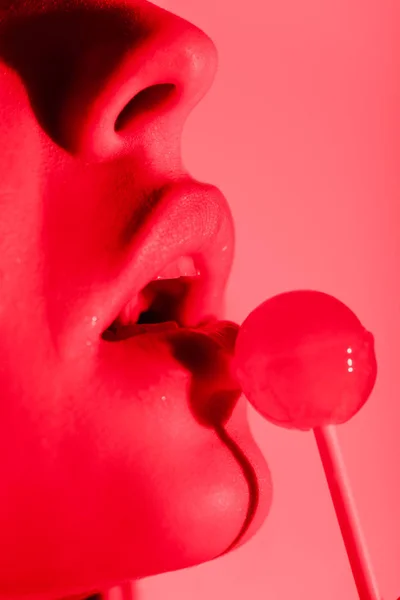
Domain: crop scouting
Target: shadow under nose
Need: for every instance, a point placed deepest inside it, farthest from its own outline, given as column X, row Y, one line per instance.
column 54, row 51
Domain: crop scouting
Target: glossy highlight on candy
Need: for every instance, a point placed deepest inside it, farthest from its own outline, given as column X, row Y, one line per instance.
column 304, row 360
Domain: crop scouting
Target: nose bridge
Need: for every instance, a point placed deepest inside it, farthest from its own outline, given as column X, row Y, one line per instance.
column 98, row 78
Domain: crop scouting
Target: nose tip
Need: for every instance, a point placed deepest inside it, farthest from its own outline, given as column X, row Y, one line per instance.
column 154, row 81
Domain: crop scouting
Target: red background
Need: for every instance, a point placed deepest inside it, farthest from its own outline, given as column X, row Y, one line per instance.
column 301, row 131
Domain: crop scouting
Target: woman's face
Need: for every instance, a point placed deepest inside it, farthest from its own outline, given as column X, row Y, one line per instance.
column 123, row 455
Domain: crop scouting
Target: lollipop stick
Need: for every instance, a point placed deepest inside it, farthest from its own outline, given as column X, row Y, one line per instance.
column 346, row 512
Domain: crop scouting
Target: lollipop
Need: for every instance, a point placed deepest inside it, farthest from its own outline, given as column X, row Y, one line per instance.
column 304, row 361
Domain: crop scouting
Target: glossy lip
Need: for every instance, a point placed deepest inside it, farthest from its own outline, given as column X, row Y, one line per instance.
column 190, row 219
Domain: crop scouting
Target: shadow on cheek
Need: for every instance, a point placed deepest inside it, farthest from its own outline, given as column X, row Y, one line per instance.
column 213, row 396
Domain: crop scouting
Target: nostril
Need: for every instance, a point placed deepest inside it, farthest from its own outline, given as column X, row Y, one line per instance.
column 145, row 101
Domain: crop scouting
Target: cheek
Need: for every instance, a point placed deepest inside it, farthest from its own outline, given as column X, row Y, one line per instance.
column 20, row 192
column 125, row 484
column 21, row 153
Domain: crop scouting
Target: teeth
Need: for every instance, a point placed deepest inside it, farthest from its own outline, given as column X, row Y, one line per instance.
column 127, row 314
column 132, row 310
column 183, row 267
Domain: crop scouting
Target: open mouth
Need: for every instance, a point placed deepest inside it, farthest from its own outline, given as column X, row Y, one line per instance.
column 159, row 305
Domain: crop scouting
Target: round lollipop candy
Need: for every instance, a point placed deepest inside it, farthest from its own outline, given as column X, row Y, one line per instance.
column 304, row 361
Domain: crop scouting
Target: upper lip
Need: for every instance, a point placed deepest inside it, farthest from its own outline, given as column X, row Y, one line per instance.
column 189, row 219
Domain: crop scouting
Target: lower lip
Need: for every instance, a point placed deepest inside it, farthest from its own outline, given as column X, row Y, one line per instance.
column 204, row 352
column 207, row 352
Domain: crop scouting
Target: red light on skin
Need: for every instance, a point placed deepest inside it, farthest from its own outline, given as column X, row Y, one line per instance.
column 97, row 460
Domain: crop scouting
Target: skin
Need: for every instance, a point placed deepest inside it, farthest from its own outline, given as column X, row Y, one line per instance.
column 113, row 467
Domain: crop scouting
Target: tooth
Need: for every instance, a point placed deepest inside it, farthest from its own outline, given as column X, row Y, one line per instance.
column 132, row 310
column 186, row 267
column 182, row 267
column 171, row 271
column 125, row 316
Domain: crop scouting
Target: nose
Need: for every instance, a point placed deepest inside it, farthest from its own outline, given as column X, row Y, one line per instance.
column 159, row 75
column 100, row 80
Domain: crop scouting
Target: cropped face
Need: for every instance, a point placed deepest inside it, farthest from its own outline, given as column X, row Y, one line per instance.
column 125, row 449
